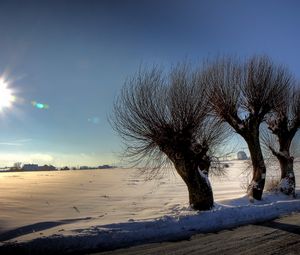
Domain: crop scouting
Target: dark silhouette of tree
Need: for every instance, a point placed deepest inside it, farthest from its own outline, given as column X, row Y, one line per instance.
column 164, row 119
column 284, row 123
column 241, row 95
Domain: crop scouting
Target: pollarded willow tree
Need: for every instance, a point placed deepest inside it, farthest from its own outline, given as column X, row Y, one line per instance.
column 241, row 95
column 284, row 122
column 164, row 118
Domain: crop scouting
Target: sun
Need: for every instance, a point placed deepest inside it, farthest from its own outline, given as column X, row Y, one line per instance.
column 6, row 95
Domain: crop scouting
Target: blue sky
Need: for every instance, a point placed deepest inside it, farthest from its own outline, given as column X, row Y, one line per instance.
column 75, row 56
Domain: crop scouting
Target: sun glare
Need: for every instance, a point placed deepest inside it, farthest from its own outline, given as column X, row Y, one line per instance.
column 6, row 95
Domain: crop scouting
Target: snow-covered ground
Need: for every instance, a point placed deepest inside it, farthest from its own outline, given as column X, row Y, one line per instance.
column 105, row 209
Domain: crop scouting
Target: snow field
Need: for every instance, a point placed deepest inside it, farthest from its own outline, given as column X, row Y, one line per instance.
column 106, row 209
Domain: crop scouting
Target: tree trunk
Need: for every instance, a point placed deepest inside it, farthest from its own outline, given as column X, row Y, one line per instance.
column 257, row 184
column 199, row 188
column 193, row 166
column 287, row 183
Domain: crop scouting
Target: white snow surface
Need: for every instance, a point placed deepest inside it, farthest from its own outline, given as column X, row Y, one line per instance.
column 108, row 209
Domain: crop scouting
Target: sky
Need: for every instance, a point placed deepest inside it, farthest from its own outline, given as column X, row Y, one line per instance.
column 74, row 56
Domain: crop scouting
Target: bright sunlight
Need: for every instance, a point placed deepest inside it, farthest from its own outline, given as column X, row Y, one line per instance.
column 6, row 95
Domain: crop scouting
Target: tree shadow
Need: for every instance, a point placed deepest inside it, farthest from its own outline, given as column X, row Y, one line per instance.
column 295, row 229
column 36, row 227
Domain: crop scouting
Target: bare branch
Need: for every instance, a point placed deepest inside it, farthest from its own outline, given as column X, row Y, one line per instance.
column 161, row 116
column 263, row 84
column 224, row 78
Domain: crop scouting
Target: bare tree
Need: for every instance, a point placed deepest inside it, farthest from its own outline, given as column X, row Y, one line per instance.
column 241, row 95
column 284, row 123
column 163, row 119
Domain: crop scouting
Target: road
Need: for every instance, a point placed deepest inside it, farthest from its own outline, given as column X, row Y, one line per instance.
column 280, row 236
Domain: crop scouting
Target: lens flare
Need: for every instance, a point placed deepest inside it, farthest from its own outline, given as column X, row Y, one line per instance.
column 6, row 95
column 39, row 105
column 94, row 120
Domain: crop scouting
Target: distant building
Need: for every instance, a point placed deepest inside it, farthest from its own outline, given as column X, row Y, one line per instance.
column 46, row 168
column 105, row 167
column 30, row 167
column 241, row 155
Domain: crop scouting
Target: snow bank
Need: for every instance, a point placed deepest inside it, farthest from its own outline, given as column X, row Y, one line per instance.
column 182, row 224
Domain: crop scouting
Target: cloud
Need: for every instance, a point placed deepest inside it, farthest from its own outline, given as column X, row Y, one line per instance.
column 19, row 142
column 8, row 159
column 11, row 144
column 57, row 159
column 24, row 140
column 41, row 157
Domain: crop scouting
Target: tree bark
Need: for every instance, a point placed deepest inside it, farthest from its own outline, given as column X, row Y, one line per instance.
column 287, row 183
column 199, row 188
column 256, row 187
column 192, row 164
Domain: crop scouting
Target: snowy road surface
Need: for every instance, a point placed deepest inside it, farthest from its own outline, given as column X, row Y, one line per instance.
column 281, row 236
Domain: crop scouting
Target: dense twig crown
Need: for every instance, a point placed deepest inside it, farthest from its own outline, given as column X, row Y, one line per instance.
column 158, row 114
